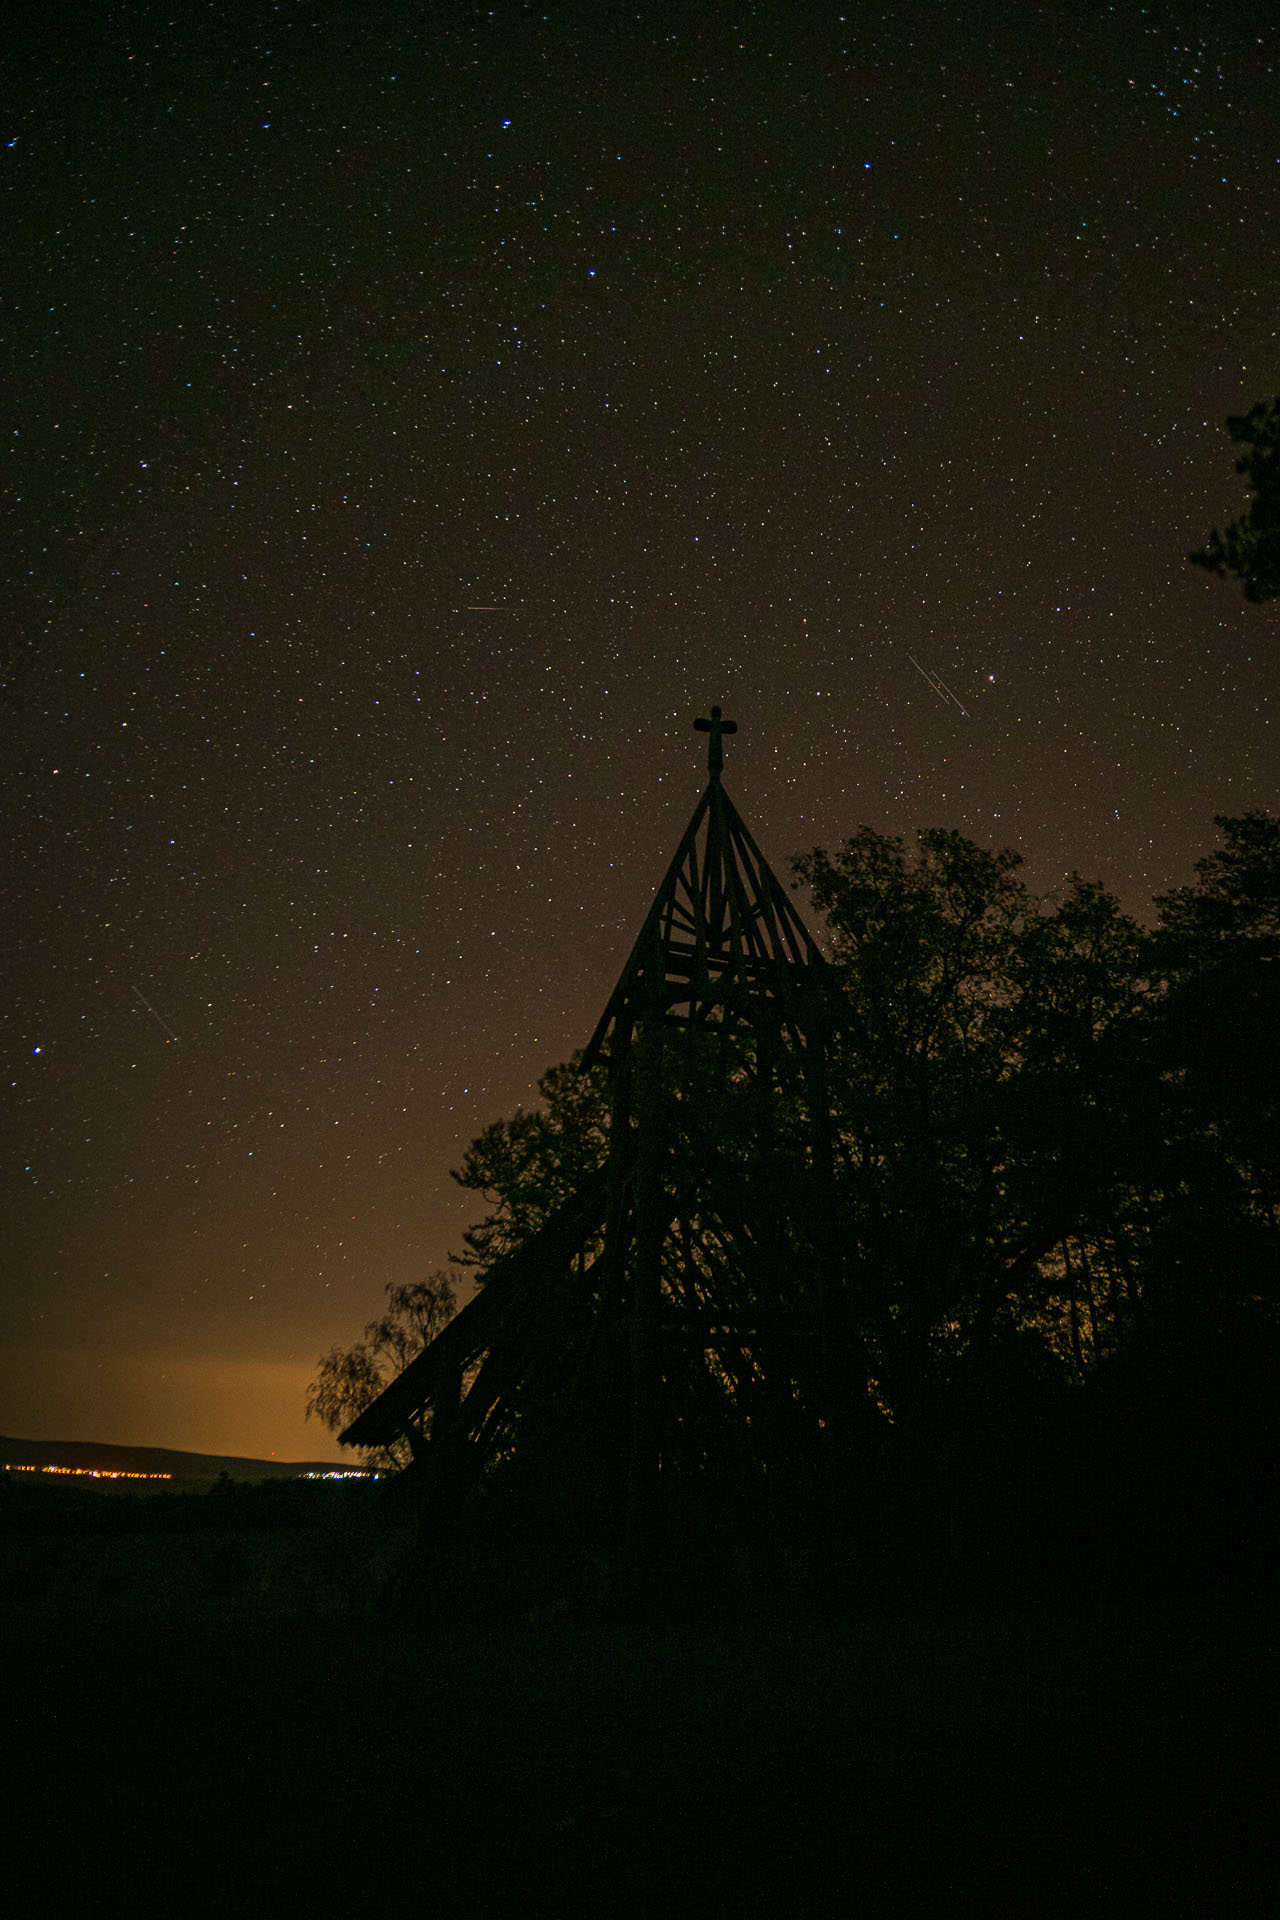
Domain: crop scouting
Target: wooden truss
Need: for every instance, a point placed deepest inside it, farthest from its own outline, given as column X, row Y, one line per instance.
column 669, row 1318
column 721, row 942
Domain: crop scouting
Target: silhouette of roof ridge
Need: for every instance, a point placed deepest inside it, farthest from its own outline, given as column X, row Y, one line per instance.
column 720, row 934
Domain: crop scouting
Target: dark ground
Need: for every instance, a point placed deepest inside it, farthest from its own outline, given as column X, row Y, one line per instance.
column 222, row 1721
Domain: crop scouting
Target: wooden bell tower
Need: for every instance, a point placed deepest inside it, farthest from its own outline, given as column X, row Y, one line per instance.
column 669, row 1318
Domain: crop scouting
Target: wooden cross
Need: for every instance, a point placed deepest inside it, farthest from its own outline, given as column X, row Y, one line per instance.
column 716, row 727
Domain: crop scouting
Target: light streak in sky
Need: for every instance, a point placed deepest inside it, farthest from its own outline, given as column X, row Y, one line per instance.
column 158, row 1018
column 939, row 685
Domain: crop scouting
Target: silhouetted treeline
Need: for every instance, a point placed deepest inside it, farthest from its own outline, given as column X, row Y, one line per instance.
column 1059, row 1150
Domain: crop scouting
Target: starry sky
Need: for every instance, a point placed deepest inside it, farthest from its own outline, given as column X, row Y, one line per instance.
column 420, row 413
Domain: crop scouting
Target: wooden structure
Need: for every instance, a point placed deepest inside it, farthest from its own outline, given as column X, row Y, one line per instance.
column 669, row 1324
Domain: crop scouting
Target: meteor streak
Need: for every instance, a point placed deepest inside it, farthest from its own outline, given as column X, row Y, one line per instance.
column 939, row 685
column 158, row 1018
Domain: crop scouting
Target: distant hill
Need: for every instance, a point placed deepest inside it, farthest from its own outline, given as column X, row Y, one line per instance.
column 187, row 1469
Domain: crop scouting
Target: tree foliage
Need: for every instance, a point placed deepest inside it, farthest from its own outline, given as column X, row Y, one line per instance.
column 1218, row 947
column 1249, row 550
column 977, row 1089
column 523, row 1168
column 526, row 1167
column 350, row 1378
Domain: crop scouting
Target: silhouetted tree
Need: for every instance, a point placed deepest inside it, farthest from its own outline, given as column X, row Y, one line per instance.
column 1249, row 550
column 351, row 1378
column 1218, row 947
column 975, row 1088
column 1186, row 1412
column 524, row 1168
column 529, row 1165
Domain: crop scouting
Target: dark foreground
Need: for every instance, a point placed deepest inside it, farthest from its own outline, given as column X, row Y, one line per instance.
column 1118, row 1761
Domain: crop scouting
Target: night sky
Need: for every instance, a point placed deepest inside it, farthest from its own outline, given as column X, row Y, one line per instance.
column 420, row 413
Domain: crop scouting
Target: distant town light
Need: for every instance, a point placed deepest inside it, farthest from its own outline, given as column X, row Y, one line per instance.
column 90, row 1473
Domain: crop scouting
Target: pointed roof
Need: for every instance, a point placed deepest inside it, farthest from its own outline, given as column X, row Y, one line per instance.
column 721, row 939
